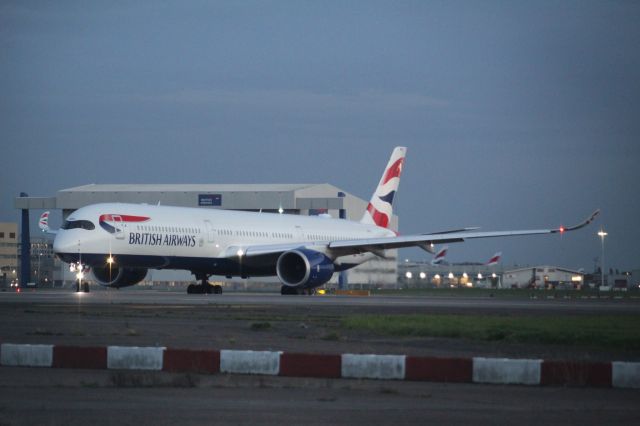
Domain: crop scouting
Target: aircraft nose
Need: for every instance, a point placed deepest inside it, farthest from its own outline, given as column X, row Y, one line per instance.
column 62, row 244
column 58, row 245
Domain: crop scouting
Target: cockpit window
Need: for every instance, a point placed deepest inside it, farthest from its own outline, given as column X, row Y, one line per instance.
column 81, row 224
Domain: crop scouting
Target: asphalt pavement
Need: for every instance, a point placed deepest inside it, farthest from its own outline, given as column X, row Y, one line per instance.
column 79, row 397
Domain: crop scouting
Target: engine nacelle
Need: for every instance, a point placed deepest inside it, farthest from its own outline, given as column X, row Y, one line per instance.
column 304, row 268
column 115, row 276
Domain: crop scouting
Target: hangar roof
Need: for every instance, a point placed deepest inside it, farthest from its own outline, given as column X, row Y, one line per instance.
column 189, row 187
column 288, row 196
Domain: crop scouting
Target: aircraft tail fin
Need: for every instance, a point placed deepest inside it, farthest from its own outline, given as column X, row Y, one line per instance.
column 380, row 208
column 439, row 257
column 495, row 259
column 43, row 223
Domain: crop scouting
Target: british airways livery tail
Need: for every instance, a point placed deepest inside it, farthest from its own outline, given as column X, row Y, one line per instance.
column 439, row 257
column 380, row 208
column 121, row 242
column 495, row 259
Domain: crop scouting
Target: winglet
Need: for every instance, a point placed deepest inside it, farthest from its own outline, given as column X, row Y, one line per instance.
column 580, row 225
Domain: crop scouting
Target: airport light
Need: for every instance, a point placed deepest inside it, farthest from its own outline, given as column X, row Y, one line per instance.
column 602, row 234
column 450, row 276
column 110, row 260
column 423, row 275
column 437, row 276
column 409, row 275
column 479, row 276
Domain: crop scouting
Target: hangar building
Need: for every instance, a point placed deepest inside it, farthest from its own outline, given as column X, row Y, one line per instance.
column 304, row 199
column 542, row 277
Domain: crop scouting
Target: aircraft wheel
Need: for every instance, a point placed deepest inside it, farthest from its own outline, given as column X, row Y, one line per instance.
column 77, row 286
column 85, row 287
column 217, row 289
column 190, row 289
column 208, row 289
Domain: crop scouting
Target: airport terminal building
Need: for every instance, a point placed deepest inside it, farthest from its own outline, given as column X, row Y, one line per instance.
column 297, row 199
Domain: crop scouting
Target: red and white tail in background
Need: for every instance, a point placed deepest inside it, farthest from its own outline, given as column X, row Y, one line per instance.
column 43, row 223
column 495, row 259
column 380, row 208
column 439, row 257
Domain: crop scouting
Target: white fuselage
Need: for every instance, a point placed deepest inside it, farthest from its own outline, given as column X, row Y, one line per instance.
column 141, row 235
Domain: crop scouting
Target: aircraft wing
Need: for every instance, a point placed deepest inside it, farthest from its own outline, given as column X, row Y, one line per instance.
column 425, row 241
column 378, row 245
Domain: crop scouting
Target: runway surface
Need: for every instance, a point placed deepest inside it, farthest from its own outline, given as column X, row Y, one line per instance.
column 369, row 303
column 309, row 324
column 81, row 397
column 140, row 317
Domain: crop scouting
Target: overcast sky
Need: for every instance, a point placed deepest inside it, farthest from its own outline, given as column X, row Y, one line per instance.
column 516, row 115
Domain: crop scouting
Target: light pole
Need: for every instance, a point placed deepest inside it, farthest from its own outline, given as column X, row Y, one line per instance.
column 602, row 234
column 39, row 257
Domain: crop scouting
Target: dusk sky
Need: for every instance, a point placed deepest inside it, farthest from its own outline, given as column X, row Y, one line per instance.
column 516, row 115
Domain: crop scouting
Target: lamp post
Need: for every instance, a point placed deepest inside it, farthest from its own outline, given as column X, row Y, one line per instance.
column 602, row 234
column 38, row 274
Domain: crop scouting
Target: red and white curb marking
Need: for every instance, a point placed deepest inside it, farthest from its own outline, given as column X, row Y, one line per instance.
column 385, row 367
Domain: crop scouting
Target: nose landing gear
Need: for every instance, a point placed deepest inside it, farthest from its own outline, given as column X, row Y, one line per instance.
column 82, row 287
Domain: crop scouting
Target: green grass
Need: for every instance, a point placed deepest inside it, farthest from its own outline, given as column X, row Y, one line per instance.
column 611, row 332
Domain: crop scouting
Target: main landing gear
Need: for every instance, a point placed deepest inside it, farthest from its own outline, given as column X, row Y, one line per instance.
column 204, row 287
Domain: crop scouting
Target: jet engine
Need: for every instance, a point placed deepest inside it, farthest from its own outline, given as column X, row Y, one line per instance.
column 116, row 276
column 304, row 269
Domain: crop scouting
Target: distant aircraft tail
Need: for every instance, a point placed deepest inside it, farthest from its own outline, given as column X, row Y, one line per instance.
column 439, row 257
column 380, row 208
column 495, row 259
column 43, row 223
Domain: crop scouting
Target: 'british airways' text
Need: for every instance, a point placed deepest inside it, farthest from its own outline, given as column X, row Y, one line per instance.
column 149, row 239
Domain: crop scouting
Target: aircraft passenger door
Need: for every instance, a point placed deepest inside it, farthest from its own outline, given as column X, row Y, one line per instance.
column 210, row 231
column 118, row 225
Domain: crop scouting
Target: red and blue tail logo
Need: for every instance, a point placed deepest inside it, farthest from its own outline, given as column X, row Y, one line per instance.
column 44, row 220
column 380, row 208
column 439, row 257
column 495, row 259
column 108, row 222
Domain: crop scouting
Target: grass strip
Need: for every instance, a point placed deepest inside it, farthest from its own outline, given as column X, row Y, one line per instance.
column 610, row 332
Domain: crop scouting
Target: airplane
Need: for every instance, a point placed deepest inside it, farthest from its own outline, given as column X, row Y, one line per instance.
column 439, row 257
column 495, row 259
column 120, row 242
column 43, row 223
